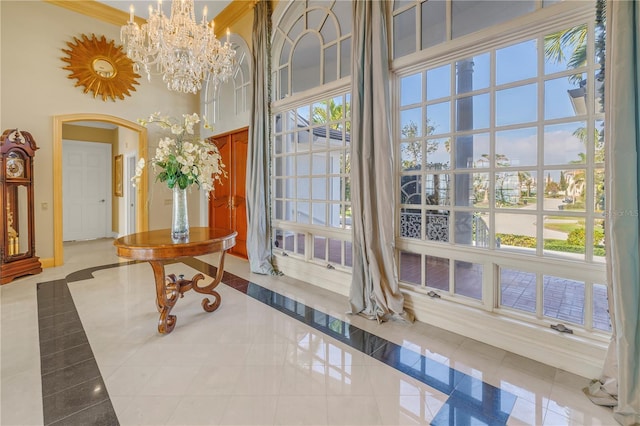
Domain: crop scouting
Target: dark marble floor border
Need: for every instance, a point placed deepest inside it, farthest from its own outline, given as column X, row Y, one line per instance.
column 470, row 401
column 74, row 393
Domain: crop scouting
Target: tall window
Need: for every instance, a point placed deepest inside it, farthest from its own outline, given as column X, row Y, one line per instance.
column 505, row 153
column 311, row 129
column 311, row 153
column 501, row 152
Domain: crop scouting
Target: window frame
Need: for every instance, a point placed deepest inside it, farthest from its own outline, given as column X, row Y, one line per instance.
column 308, row 234
column 592, row 273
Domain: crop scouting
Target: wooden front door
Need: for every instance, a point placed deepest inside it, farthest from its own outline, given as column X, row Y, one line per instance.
column 227, row 206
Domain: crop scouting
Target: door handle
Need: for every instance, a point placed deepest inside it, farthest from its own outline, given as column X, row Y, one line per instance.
column 102, row 201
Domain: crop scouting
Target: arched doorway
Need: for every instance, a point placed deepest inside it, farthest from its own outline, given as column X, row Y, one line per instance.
column 142, row 216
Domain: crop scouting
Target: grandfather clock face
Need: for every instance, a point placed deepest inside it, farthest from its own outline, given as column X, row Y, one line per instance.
column 14, row 165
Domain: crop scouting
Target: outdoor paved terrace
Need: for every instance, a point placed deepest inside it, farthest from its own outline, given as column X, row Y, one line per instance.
column 563, row 299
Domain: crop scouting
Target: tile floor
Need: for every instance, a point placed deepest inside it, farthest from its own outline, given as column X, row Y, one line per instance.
column 78, row 350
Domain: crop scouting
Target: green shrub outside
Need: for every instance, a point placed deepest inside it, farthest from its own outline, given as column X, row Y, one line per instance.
column 573, row 246
column 578, row 205
column 577, row 236
column 560, row 245
column 517, row 240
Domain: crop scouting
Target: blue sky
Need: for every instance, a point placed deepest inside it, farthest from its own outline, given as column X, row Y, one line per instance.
column 516, row 104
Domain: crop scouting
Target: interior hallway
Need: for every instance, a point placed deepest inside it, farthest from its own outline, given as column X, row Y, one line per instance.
column 77, row 349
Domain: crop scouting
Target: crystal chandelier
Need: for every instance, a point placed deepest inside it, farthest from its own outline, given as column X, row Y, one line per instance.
column 179, row 48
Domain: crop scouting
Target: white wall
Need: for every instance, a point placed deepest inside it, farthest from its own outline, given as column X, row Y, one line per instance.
column 35, row 88
column 127, row 145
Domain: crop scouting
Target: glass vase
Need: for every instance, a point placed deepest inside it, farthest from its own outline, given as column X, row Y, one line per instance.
column 180, row 216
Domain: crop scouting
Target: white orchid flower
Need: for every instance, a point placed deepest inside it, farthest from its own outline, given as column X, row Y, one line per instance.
column 186, row 155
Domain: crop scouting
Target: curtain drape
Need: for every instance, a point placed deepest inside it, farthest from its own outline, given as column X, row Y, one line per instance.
column 258, row 244
column 374, row 289
column 621, row 373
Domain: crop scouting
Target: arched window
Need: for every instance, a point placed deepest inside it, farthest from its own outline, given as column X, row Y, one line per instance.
column 313, row 45
column 311, row 122
column 237, row 88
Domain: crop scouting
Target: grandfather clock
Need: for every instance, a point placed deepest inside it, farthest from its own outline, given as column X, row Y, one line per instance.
column 18, row 250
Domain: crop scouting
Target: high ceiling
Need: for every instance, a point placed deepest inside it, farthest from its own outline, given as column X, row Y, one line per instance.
column 214, row 7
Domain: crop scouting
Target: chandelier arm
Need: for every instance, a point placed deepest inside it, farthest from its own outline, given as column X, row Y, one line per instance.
column 183, row 51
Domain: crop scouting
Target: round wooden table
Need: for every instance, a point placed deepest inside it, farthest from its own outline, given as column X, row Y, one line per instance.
column 156, row 247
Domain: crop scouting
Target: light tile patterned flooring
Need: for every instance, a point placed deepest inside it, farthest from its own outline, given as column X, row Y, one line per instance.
column 249, row 363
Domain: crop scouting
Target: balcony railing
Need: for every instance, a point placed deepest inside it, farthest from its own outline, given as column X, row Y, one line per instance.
column 437, row 227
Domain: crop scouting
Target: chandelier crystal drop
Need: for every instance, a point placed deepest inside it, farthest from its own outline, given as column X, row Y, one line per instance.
column 179, row 48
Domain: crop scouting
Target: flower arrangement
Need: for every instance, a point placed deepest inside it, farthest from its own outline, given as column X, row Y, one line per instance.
column 183, row 159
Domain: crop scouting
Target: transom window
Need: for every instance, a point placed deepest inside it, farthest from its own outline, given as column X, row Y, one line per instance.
column 422, row 24
column 313, row 45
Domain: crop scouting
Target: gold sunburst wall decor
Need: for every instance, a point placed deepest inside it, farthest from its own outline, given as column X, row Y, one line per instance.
column 101, row 67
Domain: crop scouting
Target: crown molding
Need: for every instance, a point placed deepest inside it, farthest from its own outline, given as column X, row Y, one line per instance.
column 233, row 12
column 97, row 10
column 94, row 9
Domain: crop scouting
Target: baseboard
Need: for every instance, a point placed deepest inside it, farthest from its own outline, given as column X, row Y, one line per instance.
column 575, row 353
column 47, row 262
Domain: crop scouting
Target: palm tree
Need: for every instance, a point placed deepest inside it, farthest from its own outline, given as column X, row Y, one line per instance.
column 574, row 38
column 581, row 133
column 524, row 178
column 529, row 183
column 582, row 159
column 330, row 112
column 576, row 185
